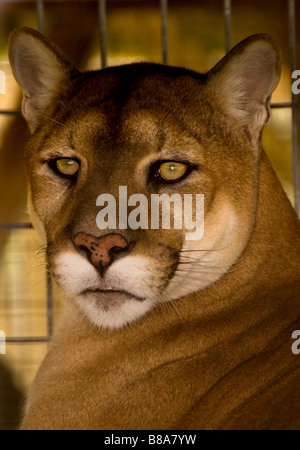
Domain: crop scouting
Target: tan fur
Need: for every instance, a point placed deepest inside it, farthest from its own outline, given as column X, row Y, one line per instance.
column 209, row 347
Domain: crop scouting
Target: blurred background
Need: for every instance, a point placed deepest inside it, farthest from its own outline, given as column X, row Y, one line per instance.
column 190, row 33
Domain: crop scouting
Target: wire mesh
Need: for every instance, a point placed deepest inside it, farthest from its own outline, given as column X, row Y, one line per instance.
column 227, row 9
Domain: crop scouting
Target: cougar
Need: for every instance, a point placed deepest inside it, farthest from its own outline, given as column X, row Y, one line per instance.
column 167, row 325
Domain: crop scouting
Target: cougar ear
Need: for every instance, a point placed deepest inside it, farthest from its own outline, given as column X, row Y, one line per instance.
column 41, row 70
column 245, row 78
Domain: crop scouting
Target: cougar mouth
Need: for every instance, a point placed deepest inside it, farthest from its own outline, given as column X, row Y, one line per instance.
column 106, row 296
column 125, row 295
column 100, row 287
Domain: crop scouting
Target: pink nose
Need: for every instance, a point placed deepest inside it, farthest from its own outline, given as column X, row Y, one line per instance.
column 101, row 249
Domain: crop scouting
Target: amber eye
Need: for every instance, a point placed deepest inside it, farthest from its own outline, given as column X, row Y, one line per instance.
column 172, row 170
column 67, row 166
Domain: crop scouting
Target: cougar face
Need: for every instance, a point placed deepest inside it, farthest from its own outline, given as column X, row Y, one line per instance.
column 133, row 133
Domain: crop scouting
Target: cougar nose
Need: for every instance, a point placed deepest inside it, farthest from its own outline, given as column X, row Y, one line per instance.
column 101, row 249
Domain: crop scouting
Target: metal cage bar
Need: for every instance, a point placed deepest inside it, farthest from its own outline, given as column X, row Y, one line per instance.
column 103, row 32
column 15, row 226
column 49, row 287
column 292, row 39
column 164, row 30
column 18, row 226
column 227, row 16
column 40, row 14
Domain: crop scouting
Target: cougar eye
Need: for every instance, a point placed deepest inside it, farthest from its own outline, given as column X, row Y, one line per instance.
column 172, row 170
column 67, row 166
